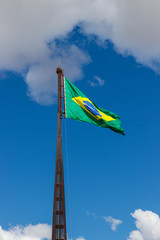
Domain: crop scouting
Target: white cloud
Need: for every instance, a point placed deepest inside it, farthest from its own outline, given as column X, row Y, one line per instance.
column 114, row 222
column 131, row 25
column 147, row 223
column 93, row 84
column 135, row 235
column 148, row 226
column 98, row 82
column 30, row 232
column 26, row 28
column 92, row 214
column 41, row 78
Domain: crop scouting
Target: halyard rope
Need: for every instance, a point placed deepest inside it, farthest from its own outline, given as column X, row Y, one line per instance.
column 70, row 218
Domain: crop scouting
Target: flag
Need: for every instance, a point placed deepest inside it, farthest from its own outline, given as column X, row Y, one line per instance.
column 79, row 107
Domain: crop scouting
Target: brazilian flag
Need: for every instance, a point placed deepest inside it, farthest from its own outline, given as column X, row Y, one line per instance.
column 79, row 107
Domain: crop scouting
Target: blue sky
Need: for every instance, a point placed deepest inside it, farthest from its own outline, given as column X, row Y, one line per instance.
column 110, row 175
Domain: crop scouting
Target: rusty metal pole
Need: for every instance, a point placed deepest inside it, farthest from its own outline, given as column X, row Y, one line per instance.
column 59, row 218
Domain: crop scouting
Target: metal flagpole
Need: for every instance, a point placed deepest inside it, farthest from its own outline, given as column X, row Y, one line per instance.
column 59, row 218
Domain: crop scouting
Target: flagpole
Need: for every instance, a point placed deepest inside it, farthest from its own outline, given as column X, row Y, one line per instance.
column 59, row 218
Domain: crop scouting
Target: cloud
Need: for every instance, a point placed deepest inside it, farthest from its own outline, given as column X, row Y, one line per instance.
column 28, row 27
column 135, row 235
column 30, row 232
column 148, row 226
column 132, row 26
column 29, row 31
column 147, row 223
column 98, row 82
column 114, row 222
column 41, row 78
column 92, row 214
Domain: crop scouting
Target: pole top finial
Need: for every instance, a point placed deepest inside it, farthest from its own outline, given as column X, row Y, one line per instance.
column 59, row 70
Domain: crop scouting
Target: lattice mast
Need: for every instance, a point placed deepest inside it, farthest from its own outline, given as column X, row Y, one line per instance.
column 59, row 218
